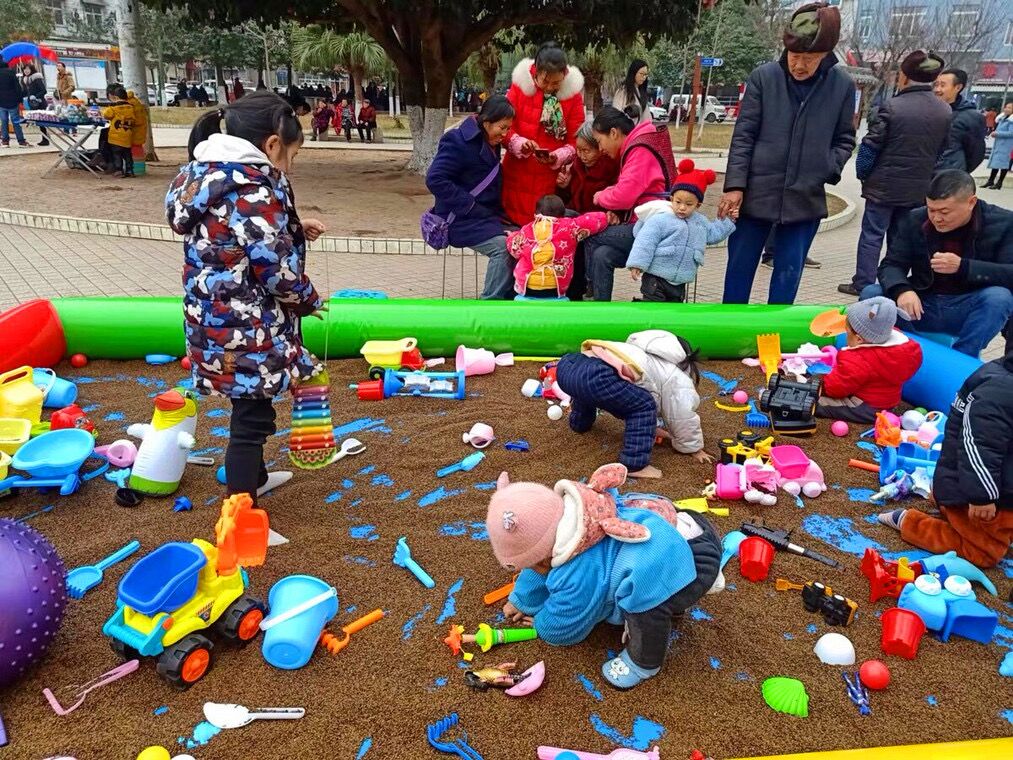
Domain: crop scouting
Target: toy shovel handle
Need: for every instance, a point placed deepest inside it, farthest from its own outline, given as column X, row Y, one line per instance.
column 416, row 569
column 119, row 554
column 450, row 469
column 357, row 625
column 277, row 713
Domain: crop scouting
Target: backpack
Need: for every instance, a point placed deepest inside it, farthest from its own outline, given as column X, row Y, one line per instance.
column 658, row 143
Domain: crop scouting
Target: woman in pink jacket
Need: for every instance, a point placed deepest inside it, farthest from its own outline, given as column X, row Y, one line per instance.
column 646, row 172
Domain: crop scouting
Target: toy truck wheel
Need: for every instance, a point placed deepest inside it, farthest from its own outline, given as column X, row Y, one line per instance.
column 376, row 373
column 123, row 651
column 240, row 623
column 185, row 662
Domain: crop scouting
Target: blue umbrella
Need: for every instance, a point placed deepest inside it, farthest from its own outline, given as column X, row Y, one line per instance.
column 17, row 52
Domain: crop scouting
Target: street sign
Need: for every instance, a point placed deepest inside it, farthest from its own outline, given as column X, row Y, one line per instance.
column 712, row 62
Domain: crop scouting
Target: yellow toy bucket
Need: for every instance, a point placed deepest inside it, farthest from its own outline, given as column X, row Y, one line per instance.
column 19, row 396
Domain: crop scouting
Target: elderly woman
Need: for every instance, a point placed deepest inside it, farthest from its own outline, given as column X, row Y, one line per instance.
column 645, row 174
column 466, row 180
column 631, row 97
column 546, row 94
column 593, row 170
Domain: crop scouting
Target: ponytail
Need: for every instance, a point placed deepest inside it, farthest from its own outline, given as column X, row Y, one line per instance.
column 609, row 118
column 254, row 118
column 689, row 364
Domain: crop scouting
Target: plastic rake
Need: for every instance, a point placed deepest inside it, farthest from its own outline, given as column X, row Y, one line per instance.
column 460, row 747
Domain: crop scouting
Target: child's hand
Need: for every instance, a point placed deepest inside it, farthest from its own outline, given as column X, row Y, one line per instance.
column 660, row 432
column 635, row 274
column 514, row 615
column 701, row 456
column 611, row 216
column 981, row 511
column 313, row 228
column 319, row 313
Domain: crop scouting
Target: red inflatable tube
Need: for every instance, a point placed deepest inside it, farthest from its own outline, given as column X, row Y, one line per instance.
column 31, row 335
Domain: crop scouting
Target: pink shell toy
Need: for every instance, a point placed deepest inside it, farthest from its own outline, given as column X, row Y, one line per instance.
column 533, row 679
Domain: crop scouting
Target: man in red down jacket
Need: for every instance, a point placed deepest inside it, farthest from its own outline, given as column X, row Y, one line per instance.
column 547, row 97
column 873, row 367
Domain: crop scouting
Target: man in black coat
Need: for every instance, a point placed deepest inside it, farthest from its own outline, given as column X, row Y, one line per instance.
column 973, row 482
column 896, row 159
column 950, row 265
column 794, row 134
column 10, row 98
column 965, row 148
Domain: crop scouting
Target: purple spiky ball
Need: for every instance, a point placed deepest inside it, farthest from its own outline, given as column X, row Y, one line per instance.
column 33, row 593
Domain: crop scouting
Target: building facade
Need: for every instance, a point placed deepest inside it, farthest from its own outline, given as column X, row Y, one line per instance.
column 84, row 37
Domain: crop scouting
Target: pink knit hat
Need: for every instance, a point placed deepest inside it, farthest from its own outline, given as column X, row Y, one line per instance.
column 521, row 522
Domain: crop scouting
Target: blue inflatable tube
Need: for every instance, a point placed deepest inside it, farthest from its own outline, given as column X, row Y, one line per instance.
column 943, row 371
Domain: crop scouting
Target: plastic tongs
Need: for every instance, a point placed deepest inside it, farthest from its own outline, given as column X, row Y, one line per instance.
column 82, row 690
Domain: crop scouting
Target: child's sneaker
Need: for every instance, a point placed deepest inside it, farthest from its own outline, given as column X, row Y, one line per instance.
column 891, row 519
column 624, row 674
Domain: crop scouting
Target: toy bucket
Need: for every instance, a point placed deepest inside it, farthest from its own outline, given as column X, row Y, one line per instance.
column 19, row 397
column 13, row 434
column 755, row 556
column 301, row 606
column 902, row 632
column 56, row 392
column 475, row 361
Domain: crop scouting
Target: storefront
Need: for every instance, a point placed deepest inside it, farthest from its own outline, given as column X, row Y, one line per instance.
column 93, row 65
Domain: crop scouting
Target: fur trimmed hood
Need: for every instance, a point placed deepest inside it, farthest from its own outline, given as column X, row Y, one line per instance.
column 573, row 82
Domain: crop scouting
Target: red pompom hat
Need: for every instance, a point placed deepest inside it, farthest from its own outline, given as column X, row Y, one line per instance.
column 693, row 180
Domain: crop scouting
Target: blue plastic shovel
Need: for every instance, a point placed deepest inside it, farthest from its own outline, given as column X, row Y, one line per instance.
column 82, row 579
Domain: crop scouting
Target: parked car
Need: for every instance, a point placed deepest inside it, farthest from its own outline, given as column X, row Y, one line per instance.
column 713, row 111
column 658, row 113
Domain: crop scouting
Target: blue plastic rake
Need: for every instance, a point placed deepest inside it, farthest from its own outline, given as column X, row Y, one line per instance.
column 459, row 747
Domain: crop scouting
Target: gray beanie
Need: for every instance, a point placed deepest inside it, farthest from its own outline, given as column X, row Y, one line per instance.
column 874, row 318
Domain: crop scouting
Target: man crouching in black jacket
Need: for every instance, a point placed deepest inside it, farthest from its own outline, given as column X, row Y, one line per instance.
column 973, row 484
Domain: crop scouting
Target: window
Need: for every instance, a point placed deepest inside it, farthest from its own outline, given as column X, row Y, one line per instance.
column 1008, row 39
column 906, row 21
column 55, row 8
column 93, row 13
column 964, row 21
column 865, row 24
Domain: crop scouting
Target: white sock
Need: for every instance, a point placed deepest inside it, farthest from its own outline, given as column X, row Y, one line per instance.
column 274, row 479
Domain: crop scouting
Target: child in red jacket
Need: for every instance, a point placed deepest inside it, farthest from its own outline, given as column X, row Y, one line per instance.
column 873, row 367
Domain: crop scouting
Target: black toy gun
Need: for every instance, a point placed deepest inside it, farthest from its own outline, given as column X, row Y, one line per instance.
column 780, row 540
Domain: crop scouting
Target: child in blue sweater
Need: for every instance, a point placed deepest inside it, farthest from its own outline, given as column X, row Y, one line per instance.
column 670, row 237
column 585, row 560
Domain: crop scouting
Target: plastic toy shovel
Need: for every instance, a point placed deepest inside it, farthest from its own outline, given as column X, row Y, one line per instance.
column 467, row 464
column 82, row 579
column 221, row 715
column 349, row 447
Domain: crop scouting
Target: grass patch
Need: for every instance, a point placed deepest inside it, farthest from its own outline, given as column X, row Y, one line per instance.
column 716, row 136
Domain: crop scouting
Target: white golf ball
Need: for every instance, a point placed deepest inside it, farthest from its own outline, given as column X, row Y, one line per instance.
column 555, row 412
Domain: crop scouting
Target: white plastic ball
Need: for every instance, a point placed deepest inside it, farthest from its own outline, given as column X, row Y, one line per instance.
column 555, row 412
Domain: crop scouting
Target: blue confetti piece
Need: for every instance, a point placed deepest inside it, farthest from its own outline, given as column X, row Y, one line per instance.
column 698, row 614
column 861, row 495
column 220, row 431
column 367, row 743
column 359, row 560
column 439, row 683
column 161, row 710
column 114, row 417
column 333, row 497
column 475, row 530
column 742, row 676
column 842, row 533
column 1008, row 715
column 589, row 687
column 346, row 483
column 90, row 408
column 403, row 495
column 369, row 468
column 811, row 628
column 367, row 532
column 409, row 627
column 789, row 637
column 932, row 701
column 216, row 413
column 450, row 604
column 382, row 480
column 355, row 503
column 715, row 663
column 645, row 732
column 437, row 495
column 487, row 486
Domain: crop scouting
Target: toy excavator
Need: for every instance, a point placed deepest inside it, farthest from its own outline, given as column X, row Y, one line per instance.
column 170, row 596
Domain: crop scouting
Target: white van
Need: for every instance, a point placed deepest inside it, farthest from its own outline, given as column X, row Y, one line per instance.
column 712, row 111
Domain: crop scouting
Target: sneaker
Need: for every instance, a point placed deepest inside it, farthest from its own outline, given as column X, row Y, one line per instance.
column 812, row 263
column 622, row 673
column 44, row 143
column 24, row 145
column 5, row 144
column 892, row 519
column 274, row 479
column 767, row 261
column 848, row 289
column 313, row 138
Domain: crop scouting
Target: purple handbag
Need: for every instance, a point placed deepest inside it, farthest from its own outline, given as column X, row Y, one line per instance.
column 436, row 229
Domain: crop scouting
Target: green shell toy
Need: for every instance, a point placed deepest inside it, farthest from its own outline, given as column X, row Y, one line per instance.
column 786, row 695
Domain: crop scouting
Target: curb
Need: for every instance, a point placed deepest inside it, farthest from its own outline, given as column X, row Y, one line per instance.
column 327, row 244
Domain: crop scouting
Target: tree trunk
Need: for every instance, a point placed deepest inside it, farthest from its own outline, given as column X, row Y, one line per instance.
column 288, row 73
column 223, row 90
column 132, row 63
column 357, row 75
column 260, row 78
column 439, row 78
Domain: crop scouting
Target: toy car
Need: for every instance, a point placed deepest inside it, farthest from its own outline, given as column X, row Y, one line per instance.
column 170, row 597
column 391, row 354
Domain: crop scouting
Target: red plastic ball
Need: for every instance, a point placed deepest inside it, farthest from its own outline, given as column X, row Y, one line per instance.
column 185, row 363
column 874, row 674
column 78, row 360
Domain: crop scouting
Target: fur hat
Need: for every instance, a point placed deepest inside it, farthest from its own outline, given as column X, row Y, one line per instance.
column 813, row 28
column 921, row 66
column 693, row 180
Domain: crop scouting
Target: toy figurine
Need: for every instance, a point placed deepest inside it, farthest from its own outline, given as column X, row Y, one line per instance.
column 501, row 676
column 165, row 443
column 857, row 693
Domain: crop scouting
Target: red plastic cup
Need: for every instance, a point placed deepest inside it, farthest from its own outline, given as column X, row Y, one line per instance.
column 902, row 632
column 755, row 556
column 371, row 390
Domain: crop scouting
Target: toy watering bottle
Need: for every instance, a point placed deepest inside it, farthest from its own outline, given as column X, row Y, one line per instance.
column 165, row 443
column 19, row 396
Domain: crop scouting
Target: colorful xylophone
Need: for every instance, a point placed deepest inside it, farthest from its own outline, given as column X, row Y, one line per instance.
column 311, row 442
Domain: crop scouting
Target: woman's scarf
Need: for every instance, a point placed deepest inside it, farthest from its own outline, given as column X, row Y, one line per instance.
column 552, row 117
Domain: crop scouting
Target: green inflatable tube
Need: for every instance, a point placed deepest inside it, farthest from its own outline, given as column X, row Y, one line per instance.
column 130, row 328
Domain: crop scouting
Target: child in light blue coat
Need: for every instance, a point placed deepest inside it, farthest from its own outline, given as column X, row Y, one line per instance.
column 670, row 237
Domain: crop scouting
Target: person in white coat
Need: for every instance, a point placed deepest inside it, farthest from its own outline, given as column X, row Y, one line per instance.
column 632, row 93
column 652, row 374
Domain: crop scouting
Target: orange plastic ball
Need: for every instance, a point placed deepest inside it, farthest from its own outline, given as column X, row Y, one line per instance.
column 185, row 363
column 874, row 674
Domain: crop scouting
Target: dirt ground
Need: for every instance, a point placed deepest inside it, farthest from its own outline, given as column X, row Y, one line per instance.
column 374, row 699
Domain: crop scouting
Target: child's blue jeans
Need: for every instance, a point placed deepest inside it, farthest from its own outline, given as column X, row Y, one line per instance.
column 594, row 385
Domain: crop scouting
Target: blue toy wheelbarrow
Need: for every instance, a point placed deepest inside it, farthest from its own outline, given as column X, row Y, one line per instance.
column 53, row 460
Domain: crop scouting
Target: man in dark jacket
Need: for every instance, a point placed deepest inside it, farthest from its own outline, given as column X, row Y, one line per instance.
column 973, row 482
column 965, row 148
column 896, row 159
column 10, row 98
column 794, row 134
column 950, row 265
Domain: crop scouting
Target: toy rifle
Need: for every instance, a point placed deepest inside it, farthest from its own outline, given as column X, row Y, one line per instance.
column 780, row 540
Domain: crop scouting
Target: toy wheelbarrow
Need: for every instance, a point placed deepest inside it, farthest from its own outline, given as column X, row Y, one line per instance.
column 333, row 644
column 52, row 460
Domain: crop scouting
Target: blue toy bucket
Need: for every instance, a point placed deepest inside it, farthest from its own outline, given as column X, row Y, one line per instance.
column 290, row 644
column 56, row 392
column 55, row 454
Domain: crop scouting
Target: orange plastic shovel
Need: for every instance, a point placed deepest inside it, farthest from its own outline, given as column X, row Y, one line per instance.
column 499, row 594
column 334, row 645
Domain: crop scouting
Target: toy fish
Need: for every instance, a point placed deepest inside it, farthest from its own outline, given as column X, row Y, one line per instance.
column 501, row 676
column 165, row 443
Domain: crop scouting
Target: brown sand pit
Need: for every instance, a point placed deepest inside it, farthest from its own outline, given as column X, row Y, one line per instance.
column 387, row 684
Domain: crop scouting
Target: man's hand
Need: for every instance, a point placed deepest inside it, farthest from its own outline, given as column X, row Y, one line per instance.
column 729, row 204
column 945, row 263
column 911, row 303
column 313, row 228
column 635, row 274
column 702, row 457
column 981, row 511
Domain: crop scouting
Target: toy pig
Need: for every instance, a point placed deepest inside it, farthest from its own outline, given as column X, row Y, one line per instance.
column 165, row 443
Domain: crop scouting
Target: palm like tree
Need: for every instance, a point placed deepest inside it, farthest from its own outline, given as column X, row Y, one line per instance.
column 314, row 47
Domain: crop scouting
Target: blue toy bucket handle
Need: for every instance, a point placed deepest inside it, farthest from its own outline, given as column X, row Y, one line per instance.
column 48, row 385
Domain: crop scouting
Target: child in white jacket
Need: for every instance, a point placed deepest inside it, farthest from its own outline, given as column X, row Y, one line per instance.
column 653, row 371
